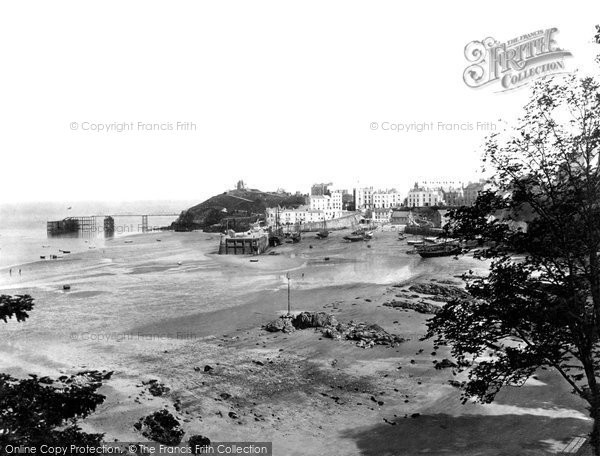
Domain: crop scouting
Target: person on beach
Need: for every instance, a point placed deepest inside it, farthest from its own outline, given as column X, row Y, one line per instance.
column 10, row 272
column 19, row 272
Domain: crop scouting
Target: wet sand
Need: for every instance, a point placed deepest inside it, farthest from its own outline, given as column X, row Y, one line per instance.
column 164, row 310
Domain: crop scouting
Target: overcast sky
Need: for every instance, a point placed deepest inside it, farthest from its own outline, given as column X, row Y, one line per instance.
column 282, row 94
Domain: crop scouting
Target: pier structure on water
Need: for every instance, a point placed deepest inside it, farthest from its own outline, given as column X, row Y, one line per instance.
column 96, row 223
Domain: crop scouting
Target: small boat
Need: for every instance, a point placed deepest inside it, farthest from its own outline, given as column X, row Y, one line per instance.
column 66, row 287
column 438, row 250
column 42, row 257
column 415, row 242
column 368, row 235
column 431, row 239
column 128, row 242
column 354, row 237
column 64, row 251
column 253, row 260
column 322, row 234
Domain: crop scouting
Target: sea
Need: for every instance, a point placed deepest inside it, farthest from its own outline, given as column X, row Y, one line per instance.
column 24, row 238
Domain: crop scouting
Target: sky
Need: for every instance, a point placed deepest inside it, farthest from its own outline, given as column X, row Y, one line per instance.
column 280, row 94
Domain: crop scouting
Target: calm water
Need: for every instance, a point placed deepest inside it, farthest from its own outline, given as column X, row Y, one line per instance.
column 23, row 236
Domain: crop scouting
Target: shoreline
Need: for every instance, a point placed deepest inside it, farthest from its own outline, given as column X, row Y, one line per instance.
column 212, row 308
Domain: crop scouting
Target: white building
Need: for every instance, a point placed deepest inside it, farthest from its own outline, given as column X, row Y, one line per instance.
column 363, row 198
column 440, row 183
column 320, row 203
column 420, row 197
column 387, row 199
column 326, row 202
column 301, row 215
column 382, row 215
column 337, row 200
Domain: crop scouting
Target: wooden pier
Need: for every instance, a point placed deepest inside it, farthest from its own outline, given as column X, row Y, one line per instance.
column 72, row 225
column 91, row 223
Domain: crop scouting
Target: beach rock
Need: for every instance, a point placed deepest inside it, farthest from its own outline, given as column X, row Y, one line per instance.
column 156, row 388
column 313, row 320
column 275, row 325
column 441, row 292
column 371, row 334
column 366, row 335
column 107, row 375
column 283, row 324
column 197, row 443
column 331, row 333
column 161, row 427
column 444, row 364
column 421, row 307
column 208, row 368
column 88, row 377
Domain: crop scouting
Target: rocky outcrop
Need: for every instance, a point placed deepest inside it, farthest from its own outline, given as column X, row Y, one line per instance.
column 198, row 444
column 237, row 205
column 420, row 306
column 313, row 320
column 282, row 324
column 444, row 364
column 366, row 335
column 302, row 320
column 155, row 387
column 161, row 427
column 440, row 292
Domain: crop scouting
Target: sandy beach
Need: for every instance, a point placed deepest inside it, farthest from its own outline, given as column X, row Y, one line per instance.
column 165, row 310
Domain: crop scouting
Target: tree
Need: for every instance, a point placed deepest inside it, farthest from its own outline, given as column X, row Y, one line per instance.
column 36, row 411
column 540, row 307
column 16, row 307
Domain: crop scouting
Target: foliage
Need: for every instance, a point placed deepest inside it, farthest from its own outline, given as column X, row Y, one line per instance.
column 540, row 224
column 15, row 306
column 35, row 411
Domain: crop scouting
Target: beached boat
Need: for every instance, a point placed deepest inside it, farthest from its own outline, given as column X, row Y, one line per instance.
column 415, row 242
column 439, row 249
column 354, row 237
column 323, row 232
column 431, row 239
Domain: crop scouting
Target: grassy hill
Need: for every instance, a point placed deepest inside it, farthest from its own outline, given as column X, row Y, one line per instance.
column 239, row 204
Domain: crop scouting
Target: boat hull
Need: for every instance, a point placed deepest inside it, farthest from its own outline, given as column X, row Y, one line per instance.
column 354, row 238
column 438, row 252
